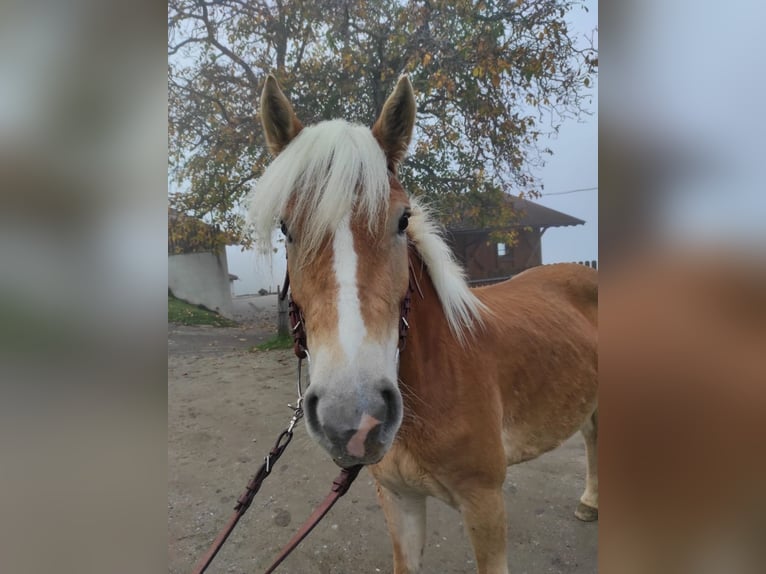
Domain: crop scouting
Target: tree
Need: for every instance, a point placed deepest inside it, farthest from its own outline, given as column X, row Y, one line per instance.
column 492, row 78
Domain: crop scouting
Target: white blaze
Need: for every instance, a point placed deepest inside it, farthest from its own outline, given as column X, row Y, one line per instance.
column 351, row 330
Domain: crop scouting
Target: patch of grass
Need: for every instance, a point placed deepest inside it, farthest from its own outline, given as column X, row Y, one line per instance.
column 187, row 314
column 276, row 342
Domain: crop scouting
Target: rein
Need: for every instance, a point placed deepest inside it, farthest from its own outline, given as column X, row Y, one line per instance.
column 339, row 487
column 343, row 481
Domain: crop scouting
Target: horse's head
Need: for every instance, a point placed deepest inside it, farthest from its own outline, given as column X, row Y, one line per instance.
column 334, row 188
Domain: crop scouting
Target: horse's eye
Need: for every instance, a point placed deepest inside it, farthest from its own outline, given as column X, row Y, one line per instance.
column 283, row 227
column 404, row 221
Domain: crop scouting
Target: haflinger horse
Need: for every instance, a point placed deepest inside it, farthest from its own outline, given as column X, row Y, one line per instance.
column 488, row 377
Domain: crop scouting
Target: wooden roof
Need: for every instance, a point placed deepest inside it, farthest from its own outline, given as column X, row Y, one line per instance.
column 530, row 214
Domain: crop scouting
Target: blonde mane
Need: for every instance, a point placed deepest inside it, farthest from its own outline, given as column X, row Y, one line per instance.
column 327, row 171
column 463, row 310
column 333, row 168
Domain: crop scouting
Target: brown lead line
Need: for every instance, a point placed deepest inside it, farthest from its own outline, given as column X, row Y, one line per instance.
column 244, row 500
column 339, row 487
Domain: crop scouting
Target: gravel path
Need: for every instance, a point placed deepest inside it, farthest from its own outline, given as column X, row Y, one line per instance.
column 227, row 405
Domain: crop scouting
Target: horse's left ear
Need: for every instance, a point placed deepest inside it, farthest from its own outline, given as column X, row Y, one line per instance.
column 393, row 129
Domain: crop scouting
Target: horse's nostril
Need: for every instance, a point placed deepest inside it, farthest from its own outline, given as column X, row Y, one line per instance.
column 391, row 404
column 312, row 401
column 311, row 408
column 387, row 396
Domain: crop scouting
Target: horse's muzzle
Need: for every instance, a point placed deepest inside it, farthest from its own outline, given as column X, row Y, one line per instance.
column 355, row 424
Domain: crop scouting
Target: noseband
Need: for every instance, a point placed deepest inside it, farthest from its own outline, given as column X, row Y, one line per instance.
column 298, row 323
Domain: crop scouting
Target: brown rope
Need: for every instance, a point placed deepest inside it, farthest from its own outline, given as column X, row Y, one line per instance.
column 339, row 487
column 245, row 500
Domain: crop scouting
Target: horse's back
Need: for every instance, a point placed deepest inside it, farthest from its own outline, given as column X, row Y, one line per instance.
column 556, row 285
column 578, row 283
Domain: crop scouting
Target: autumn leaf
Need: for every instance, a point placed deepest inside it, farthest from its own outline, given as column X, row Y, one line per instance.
column 481, row 72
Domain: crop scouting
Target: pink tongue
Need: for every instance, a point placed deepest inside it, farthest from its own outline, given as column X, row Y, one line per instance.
column 355, row 446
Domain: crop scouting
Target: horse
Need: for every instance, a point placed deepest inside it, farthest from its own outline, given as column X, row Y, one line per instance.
column 488, row 377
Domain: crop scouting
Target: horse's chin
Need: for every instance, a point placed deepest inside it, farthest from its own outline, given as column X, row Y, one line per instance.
column 344, row 463
column 345, row 460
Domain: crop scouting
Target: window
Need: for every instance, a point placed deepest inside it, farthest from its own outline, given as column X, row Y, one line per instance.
column 501, row 249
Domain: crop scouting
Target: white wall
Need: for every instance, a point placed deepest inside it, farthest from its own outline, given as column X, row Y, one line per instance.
column 201, row 279
column 255, row 270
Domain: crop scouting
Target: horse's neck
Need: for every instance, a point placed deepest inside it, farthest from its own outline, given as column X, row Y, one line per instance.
column 429, row 340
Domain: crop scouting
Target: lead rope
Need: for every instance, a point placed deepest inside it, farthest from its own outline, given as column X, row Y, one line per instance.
column 246, row 498
column 340, row 486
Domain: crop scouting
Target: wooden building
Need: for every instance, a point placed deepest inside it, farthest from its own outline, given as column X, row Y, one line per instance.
column 487, row 261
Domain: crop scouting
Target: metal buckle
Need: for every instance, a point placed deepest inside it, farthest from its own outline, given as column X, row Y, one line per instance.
column 298, row 407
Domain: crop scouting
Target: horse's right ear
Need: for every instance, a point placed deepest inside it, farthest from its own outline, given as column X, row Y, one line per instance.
column 280, row 124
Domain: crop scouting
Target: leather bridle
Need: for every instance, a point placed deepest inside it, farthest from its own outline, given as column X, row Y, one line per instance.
column 298, row 322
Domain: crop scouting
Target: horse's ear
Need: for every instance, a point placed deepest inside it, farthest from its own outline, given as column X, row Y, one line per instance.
column 393, row 129
column 280, row 123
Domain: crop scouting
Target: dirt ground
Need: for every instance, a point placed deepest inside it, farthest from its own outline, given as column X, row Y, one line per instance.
column 226, row 406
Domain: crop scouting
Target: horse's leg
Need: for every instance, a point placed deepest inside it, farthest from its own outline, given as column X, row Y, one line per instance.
column 406, row 520
column 484, row 517
column 588, row 508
